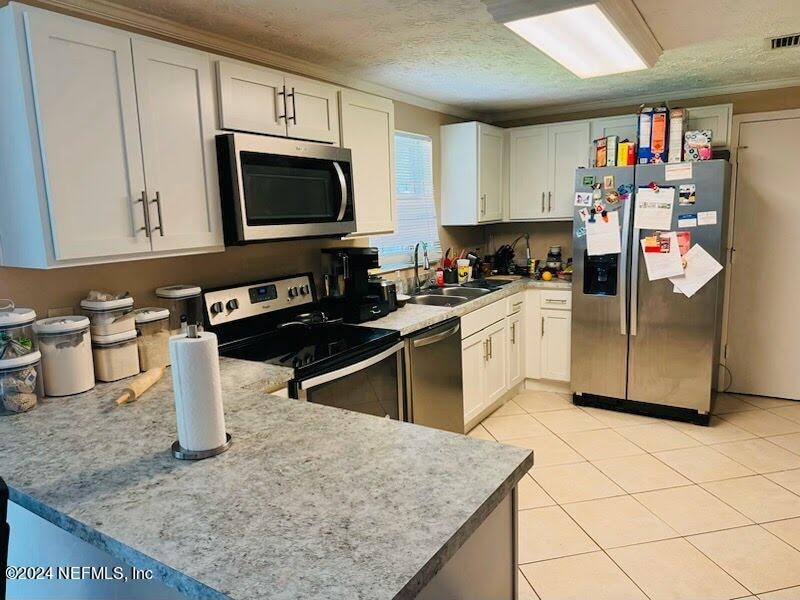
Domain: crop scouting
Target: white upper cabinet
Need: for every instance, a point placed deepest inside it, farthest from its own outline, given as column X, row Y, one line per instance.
column 251, row 98
column 88, row 131
column 176, row 114
column 100, row 125
column 472, row 173
column 312, row 110
column 567, row 144
column 542, row 170
column 623, row 126
column 261, row 100
column 717, row 118
column 528, row 172
column 367, row 127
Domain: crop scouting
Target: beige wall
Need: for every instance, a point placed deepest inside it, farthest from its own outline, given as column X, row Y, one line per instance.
column 543, row 235
column 56, row 288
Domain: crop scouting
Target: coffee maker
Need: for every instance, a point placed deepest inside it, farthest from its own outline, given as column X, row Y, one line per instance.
column 347, row 290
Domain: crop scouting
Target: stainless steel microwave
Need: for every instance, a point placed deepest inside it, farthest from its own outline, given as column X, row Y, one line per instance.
column 275, row 188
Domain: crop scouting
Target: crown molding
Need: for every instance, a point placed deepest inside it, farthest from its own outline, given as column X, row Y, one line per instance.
column 114, row 15
column 559, row 109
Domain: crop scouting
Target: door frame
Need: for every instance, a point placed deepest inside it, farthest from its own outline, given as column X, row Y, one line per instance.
column 737, row 122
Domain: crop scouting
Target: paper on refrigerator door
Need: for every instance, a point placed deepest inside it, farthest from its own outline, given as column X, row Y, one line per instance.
column 662, row 265
column 602, row 236
column 654, row 208
column 701, row 268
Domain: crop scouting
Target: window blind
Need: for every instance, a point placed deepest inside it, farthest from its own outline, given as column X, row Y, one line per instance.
column 416, row 210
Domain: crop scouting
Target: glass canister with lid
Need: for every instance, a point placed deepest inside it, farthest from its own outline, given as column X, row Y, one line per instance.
column 185, row 304
column 20, row 383
column 116, row 356
column 108, row 315
column 152, row 337
column 66, row 348
column 17, row 336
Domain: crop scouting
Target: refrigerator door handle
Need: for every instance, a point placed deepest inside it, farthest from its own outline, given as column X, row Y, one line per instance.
column 623, row 278
column 635, row 281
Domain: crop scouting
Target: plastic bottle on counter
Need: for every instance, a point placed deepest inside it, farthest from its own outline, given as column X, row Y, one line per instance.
column 17, row 336
column 116, row 356
column 152, row 329
column 185, row 304
column 20, row 383
column 66, row 349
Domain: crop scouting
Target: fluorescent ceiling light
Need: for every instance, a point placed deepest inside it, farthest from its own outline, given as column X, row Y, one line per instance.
column 582, row 39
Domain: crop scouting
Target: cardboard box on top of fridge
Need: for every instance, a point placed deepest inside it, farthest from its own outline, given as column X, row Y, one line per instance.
column 600, row 152
column 653, row 133
column 698, row 145
column 626, row 154
column 677, row 129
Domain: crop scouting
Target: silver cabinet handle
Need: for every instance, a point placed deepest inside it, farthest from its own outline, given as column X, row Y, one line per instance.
column 343, row 185
column 542, row 201
column 491, row 348
column 542, row 326
column 549, row 201
column 160, row 227
column 554, row 301
column 145, row 207
column 292, row 118
column 486, row 350
column 282, row 101
column 514, row 333
column 516, row 305
column 483, row 204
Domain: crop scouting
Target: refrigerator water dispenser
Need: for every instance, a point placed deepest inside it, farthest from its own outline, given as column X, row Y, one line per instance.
column 601, row 274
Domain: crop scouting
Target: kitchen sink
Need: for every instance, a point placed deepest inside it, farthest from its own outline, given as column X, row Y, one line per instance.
column 437, row 300
column 463, row 292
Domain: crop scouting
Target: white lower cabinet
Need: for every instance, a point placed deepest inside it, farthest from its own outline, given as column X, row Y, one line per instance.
column 496, row 365
column 484, row 368
column 548, row 327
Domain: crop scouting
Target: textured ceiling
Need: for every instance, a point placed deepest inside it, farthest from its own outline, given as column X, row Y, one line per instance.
column 451, row 51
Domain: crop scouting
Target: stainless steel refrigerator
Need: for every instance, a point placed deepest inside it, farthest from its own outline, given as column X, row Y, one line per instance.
column 636, row 344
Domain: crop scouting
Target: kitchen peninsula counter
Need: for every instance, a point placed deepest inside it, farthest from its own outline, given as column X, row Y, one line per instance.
column 309, row 501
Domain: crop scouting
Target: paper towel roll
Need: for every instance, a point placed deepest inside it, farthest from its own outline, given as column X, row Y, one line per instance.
column 198, row 393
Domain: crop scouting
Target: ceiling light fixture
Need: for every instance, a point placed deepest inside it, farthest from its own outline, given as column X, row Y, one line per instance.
column 590, row 39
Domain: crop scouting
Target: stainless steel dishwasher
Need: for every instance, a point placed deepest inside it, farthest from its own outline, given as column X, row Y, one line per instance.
column 433, row 377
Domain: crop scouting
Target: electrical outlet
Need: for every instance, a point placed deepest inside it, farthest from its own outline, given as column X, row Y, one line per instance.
column 63, row 311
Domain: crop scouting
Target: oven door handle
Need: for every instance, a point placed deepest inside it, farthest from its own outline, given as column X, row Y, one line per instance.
column 343, row 184
column 350, row 369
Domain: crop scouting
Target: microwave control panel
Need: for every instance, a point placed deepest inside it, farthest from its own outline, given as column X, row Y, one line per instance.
column 235, row 303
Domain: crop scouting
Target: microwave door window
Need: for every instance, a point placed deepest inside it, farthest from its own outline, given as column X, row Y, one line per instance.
column 283, row 190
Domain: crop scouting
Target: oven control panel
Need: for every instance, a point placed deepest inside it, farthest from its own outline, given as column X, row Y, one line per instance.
column 235, row 303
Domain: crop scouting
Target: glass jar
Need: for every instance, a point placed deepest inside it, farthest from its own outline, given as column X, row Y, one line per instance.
column 185, row 304
column 20, row 383
column 152, row 337
column 116, row 356
column 17, row 336
column 109, row 317
column 66, row 348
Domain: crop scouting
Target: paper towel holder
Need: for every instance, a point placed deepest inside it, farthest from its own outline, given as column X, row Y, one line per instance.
column 184, row 454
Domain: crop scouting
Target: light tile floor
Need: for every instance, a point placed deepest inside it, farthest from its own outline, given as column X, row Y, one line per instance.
column 625, row 506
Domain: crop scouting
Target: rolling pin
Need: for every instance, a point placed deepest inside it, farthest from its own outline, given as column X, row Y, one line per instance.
column 140, row 385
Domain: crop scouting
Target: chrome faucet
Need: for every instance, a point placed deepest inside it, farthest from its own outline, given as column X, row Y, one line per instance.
column 426, row 264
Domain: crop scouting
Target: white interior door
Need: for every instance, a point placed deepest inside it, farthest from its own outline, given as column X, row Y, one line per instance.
column 89, row 134
column 368, row 131
column 176, row 111
column 763, row 327
column 251, row 99
column 312, row 110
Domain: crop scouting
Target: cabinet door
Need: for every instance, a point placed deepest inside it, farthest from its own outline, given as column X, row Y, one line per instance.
column 567, row 144
column 312, row 110
column 528, row 173
column 176, row 111
column 556, row 332
column 251, row 99
column 516, row 353
column 88, row 128
column 623, row 126
column 368, row 131
column 534, row 332
column 490, row 173
column 717, row 118
column 497, row 365
column 474, row 354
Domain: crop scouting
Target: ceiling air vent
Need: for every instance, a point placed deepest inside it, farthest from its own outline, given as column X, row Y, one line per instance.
column 784, row 41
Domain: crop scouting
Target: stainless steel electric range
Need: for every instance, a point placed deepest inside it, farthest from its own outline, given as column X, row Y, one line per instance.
column 278, row 321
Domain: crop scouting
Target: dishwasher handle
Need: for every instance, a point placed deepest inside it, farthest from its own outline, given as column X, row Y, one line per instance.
column 436, row 337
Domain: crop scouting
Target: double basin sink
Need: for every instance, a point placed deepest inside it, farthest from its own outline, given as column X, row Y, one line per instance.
column 448, row 296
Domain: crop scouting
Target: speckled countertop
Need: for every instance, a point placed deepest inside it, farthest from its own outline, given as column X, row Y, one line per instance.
column 309, row 502
column 413, row 317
